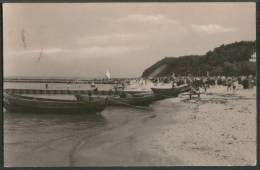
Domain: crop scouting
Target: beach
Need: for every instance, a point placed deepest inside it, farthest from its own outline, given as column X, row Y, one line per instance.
column 129, row 84
column 217, row 129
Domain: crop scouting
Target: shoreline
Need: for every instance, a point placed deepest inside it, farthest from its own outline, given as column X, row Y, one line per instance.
column 217, row 130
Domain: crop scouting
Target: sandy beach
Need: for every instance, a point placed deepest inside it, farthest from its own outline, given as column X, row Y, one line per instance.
column 111, row 84
column 219, row 129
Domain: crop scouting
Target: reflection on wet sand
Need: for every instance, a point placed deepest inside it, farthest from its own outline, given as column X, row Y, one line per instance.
column 217, row 129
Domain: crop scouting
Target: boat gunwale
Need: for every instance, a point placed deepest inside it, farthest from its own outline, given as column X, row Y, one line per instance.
column 35, row 99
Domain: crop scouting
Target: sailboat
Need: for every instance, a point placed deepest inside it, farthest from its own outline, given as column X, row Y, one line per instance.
column 107, row 74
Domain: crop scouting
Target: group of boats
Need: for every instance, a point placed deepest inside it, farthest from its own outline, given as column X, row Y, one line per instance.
column 87, row 103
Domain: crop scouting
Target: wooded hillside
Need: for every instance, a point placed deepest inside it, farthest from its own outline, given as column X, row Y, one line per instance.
column 231, row 59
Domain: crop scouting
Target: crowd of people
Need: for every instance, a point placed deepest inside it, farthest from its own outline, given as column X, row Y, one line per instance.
column 195, row 82
column 205, row 82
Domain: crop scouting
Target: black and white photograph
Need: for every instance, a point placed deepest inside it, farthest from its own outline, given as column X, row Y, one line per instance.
column 129, row 84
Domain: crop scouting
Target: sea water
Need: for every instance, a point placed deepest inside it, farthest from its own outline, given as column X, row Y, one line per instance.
column 49, row 139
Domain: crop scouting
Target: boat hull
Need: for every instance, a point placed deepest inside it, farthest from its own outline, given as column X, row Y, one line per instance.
column 17, row 103
column 170, row 92
column 137, row 100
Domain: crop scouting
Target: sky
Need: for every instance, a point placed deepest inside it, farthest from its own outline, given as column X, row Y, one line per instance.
column 86, row 40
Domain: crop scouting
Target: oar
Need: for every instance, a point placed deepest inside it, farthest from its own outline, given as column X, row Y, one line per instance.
column 129, row 105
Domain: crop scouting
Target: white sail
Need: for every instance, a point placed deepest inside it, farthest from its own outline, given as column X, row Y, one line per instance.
column 107, row 74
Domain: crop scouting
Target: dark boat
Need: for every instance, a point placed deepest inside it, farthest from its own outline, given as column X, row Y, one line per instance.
column 126, row 99
column 19, row 103
column 171, row 92
column 138, row 100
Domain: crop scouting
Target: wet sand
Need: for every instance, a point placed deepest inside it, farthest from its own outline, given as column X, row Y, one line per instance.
column 219, row 129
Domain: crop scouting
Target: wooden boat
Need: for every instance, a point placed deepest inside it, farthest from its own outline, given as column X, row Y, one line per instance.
column 129, row 99
column 171, row 92
column 136, row 92
column 19, row 103
column 138, row 100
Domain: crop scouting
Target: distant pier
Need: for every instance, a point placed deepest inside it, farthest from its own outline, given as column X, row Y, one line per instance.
column 74, row 81
column 72, row 92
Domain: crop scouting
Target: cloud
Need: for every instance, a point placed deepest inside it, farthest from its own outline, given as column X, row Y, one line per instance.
column 212, row 28
column 37, row 51
column 145, row 18
column 150, row 24
column 52, row 50
column 85, row 52
column 107, row 50
column 117, row 38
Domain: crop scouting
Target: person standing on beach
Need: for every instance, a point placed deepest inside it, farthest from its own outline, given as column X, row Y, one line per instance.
column 157, row 81
column 205, row 83
column 93, row 85
column 229, row 84
column 234, row 85
column 245, row 83
column 68, row 86
column 173, row 82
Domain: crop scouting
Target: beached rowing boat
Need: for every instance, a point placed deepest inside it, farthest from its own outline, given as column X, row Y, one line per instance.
column 129, row 99
column 19, row 103
column 171, row 92
column 138, row 100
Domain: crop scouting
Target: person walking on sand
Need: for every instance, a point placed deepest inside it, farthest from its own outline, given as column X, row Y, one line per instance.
column 205, row 84
column 234, row 85
column 229, row 84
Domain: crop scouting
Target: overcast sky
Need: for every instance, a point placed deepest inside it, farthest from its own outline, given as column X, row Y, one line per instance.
column 84, row 40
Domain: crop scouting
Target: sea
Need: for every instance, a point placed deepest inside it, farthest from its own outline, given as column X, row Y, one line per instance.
column 49, row 139
column 54, row 86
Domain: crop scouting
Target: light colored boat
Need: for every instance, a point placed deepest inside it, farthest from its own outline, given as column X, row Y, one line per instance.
column 20, row 103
